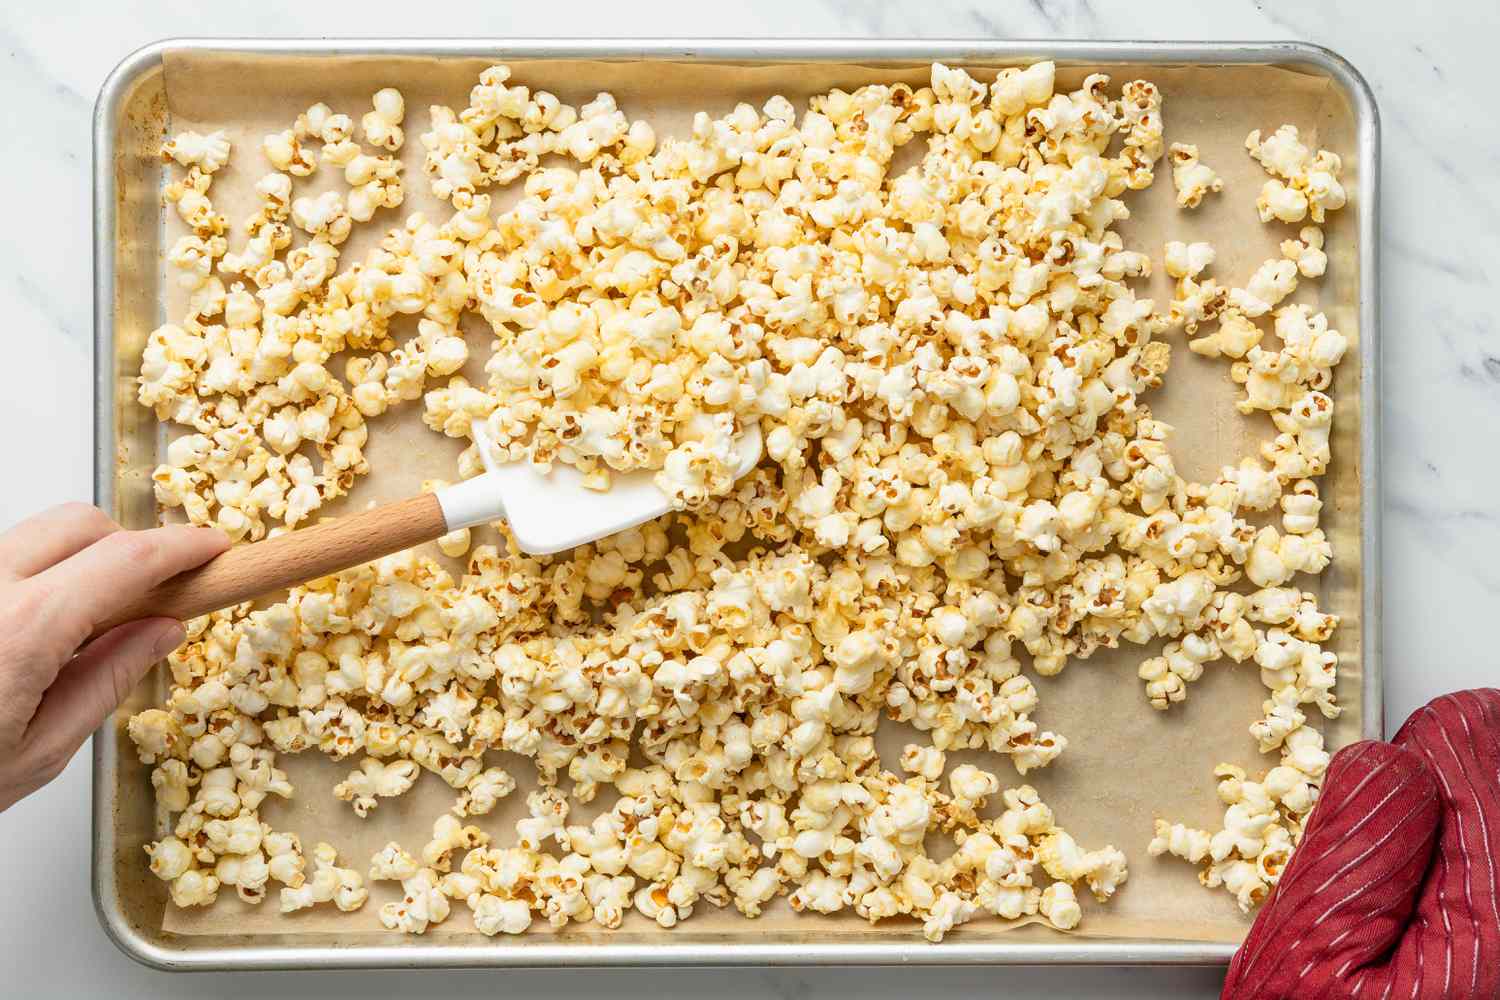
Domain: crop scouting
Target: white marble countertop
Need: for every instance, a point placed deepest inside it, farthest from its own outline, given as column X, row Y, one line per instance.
column 1440, row 238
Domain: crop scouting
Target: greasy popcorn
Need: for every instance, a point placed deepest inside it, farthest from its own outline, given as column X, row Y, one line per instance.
column 948, row 364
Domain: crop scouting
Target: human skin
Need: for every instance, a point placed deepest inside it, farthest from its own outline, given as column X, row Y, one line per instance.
column 62, row 572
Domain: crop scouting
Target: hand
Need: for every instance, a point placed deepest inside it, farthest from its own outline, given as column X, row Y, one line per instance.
column 1395, row 889
column 62, row 572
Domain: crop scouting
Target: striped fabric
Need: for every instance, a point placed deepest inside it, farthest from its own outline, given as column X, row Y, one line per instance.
column 1394, row 891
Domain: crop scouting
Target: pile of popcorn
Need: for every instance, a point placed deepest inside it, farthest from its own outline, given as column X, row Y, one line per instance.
column 947, row 364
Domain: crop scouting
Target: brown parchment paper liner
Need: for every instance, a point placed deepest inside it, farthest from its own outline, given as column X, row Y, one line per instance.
column 1125, row 763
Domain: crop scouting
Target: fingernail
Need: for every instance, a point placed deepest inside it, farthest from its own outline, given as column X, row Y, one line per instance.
column 168, row 639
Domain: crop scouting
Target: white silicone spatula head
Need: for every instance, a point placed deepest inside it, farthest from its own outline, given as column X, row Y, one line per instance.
column 554, row 511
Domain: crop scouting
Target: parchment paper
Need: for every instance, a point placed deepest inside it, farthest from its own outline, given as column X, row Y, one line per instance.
column 1125, row 763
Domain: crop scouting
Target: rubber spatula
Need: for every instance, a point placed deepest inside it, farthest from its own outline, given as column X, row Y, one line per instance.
column 547, row 513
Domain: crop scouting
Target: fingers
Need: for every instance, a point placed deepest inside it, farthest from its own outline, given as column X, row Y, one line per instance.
column 91, row 687
column 50, row 537
column 1455, row 937
column 1349, row 890
column 86, row 588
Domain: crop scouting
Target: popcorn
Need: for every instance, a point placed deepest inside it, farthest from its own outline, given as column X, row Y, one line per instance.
column 324, row 215
column 1197, row 303
column 483, row 791
column 1281, row 153
column 1279, row 201
column 190, row 197
column 609, row 897
column 246, row 872
column 1181, row 663
column 1062, row 859
column 344, row 887
column 1188, row 260
column 946, row 363
column 449, row 835
column 1275, row 558
column 284, row 858
column 319, row 122
column 493, row 915
column 753, row 891
column 925, row 761
column 1017, row 88
column 373, row 780
column 948, row 912
column 155, row 733
column 1272, row 281
column 1263, row 818
column 382, row 126
column 190, row 149
column 1307, row 252
column 1303, row 183
column 194, row 888
column 170, row 858
column 1235, row 336
column 1300, row 509
column 971, row 786
column 1059, row 904
column 422, row 905
column 284, row 150
column 374, row 183
column 240, row 835
column 1182, row 841
column 1192, row 178
column 392, row 864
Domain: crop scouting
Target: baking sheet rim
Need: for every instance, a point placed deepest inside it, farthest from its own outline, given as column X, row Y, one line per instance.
column 181, row 954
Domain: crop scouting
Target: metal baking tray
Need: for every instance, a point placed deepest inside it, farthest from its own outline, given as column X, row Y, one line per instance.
column 130, row 119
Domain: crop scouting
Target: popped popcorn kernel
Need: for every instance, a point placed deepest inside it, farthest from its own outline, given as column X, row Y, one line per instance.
column 344, row 887
column 1191, row 177
column 382, row 125
column 190, row 149
column 1304, row 183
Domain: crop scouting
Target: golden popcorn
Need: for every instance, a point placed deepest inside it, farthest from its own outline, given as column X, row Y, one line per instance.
column 947, row 364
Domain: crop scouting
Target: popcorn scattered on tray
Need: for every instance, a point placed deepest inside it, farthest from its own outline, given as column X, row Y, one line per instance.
column 1263, row 819
column 948, row 365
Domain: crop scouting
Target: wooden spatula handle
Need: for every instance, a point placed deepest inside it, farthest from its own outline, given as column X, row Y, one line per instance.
column 248, row 571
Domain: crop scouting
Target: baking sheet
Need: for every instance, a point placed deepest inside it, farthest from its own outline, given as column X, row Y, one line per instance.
column 1126, row 763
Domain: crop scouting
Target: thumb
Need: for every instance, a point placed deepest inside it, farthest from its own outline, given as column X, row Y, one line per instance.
column 1345, row 898
column 95, row 682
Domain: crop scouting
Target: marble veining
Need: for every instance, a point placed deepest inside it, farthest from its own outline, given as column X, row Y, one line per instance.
column 1440, row 241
